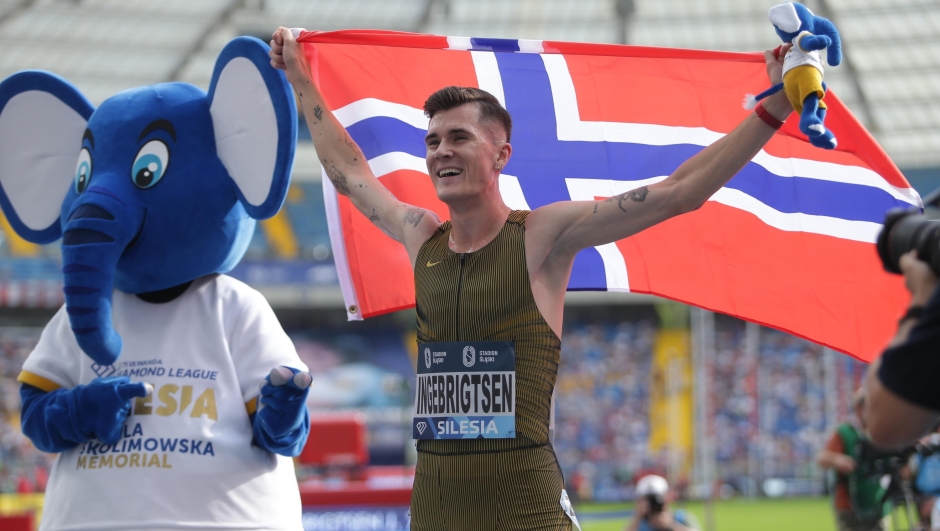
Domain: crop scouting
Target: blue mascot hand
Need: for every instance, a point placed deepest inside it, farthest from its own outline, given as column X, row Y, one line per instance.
column 815, row 42
column 282, row 422
column 103, row 406
column 64, row 418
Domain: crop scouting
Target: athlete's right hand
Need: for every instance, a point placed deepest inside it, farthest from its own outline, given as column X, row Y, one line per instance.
column 103, row 406
column 288, row 55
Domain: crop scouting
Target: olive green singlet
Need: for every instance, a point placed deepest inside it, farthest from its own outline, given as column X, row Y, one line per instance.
column 489, row 484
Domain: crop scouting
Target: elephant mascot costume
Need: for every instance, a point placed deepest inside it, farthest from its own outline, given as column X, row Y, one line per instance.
column 170, row 391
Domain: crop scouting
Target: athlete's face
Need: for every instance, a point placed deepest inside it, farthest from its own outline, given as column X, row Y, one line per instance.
column 464, row 155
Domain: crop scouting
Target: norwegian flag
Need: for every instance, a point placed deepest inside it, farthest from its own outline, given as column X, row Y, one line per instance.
column 787, row 243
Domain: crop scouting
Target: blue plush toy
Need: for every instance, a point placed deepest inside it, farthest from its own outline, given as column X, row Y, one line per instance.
column 155, row 194
column 803, row 68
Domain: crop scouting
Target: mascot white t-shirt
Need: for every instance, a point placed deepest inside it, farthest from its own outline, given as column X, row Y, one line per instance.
column 185, row 459
column 797, row 57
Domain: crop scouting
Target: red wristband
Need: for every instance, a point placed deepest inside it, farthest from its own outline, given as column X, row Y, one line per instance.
column 768, row 118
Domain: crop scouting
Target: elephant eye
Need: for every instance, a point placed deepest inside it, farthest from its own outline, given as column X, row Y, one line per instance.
column 150, row 164
column 82, row 171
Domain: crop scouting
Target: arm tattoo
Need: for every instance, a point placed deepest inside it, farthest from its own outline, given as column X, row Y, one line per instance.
column 352, row 147
column 338, row 179
column 595, row 208
column 374, row 218
column 318, row 112
column 637, row 196
column 414, row 216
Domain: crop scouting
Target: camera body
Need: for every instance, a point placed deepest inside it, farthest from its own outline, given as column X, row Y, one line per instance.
column 656, row 502
column 905, row 230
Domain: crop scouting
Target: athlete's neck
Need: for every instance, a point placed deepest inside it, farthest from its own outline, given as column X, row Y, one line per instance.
column 476, row 223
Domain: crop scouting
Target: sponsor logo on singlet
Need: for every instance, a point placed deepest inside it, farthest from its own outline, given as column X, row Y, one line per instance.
column 469, row 356
column 427, row 357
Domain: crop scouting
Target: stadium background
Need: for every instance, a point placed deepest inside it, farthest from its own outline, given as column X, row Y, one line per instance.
column 644, row 385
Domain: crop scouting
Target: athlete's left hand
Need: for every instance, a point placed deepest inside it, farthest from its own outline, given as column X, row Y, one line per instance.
column 282, row 404
column 777, row 105
column 773, row 62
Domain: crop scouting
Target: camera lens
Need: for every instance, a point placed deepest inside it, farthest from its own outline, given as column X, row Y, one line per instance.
column 905, row 230
column 656, row 503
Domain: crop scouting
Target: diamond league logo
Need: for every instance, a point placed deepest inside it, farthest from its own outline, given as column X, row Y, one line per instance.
column 469, row 356
column 421, row 427
column 103, row 370
column 427, row 358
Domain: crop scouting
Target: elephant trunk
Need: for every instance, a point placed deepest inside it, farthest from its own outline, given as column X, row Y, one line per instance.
column 98, row 228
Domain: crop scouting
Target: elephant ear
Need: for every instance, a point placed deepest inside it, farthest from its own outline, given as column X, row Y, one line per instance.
column 785, row 17
column 255, row 123
column 42, row 119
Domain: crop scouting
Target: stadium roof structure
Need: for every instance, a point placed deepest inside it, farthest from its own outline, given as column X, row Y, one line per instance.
column 890, row 79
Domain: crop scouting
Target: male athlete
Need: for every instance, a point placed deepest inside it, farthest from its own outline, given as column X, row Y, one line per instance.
column 498, row 276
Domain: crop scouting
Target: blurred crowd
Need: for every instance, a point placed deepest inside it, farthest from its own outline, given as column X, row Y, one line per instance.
column 768, row 415
column 602, row 405
column 23, row 468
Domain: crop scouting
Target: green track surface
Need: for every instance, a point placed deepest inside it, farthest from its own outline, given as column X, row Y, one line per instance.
column 814, row 514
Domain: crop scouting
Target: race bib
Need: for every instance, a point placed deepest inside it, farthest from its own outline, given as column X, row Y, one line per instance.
column 465, row 390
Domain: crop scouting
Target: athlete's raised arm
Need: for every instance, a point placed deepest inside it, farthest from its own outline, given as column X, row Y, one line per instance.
column 345, row 164
column 562, row 229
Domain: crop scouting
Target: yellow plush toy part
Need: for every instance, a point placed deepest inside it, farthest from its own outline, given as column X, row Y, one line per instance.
column 803, row 67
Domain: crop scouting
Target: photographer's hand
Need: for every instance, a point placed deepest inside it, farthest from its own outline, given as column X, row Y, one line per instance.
column 844, row 464
column 837, row 461
column 918, row 277
column 640, row 510
column 662, row 521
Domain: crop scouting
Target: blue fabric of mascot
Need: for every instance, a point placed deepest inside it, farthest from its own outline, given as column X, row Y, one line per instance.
column 147, row 381
column 803, row 68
